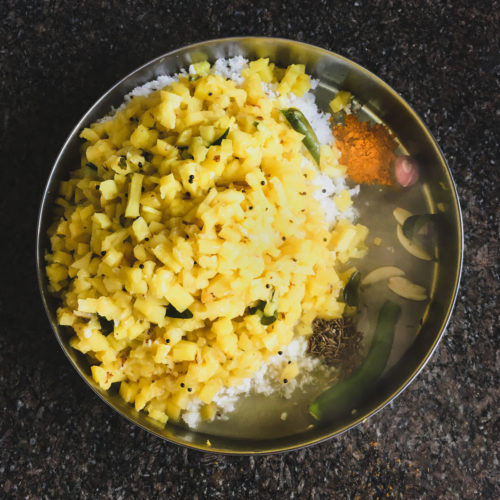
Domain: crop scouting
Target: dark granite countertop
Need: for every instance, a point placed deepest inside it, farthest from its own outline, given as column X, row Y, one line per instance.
column 439, row 439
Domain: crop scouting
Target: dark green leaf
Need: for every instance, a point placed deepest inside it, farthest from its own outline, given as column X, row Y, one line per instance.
column 351, row 290
column 147, row 155
column 415, row 223
column 259, row 306
column 218, row 142
column 172, row 312
column 107, row 326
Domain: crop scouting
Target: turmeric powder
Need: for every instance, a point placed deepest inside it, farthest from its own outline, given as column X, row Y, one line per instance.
column 367, row 151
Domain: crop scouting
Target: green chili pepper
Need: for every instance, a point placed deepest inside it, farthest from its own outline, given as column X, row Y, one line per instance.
column 299, row 123
column 413, row 224
column 342, row 397
column 172, row 312
column 218, row 141
column 351, row 290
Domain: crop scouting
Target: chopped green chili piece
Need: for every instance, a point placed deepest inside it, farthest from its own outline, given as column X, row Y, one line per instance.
column 259, row 306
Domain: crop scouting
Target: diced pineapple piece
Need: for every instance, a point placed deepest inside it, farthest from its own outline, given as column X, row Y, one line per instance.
column 223, row 327
column 134, row 196
column 184, row 351
column 109, row 189
column 181, row 399
column 343, row 200
column 143, row 138
column 140, row 229
column 128, row 391
column 158, row 415
column 162, row 351
column 340, row 101
column 179, row 297
column 154, row 313
column 90, row 135
column 101, row 376
column 210, row 389
column 102, row 220
column 290, row 371
column 172, row 410
column 201, row 68
column 208, row 412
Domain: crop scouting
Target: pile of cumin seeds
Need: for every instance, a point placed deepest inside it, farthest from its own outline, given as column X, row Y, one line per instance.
column 337, row 343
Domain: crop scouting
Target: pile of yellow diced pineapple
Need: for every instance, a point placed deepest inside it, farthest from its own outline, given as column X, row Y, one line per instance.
column 194, row 200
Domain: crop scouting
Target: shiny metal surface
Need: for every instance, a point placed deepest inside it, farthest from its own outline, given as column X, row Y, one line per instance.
column 381, row 103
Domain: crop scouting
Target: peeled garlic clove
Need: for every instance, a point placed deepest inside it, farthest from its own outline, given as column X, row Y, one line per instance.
column 400, row 214
column 406, row 289
column 411, row 247
column 381, row 274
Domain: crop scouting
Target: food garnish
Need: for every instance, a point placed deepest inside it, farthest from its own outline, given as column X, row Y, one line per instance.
column 350, row 293
column 218, row 141
column 367, row 151
column 407, row 289
column 406, row 170
column 401, row 214
column 172, row 312
column 337, row 342
column 381, row 274
column 299, row 123
column 416, row 225
column 341, row 398
column 411, row 246
column 340, row 101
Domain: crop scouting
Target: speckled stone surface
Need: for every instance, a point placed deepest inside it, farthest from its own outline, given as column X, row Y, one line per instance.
column 437, row 440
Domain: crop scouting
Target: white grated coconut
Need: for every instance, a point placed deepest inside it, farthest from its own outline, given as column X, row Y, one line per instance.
column 265, row 381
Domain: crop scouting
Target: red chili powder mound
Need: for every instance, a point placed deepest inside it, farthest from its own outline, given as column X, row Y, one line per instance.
column 367, row 151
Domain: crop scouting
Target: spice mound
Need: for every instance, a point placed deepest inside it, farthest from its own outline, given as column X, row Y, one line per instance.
column 367, row 151
column 337, row 342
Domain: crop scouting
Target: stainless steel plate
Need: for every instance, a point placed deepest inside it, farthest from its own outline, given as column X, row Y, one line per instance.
column 256, row 426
